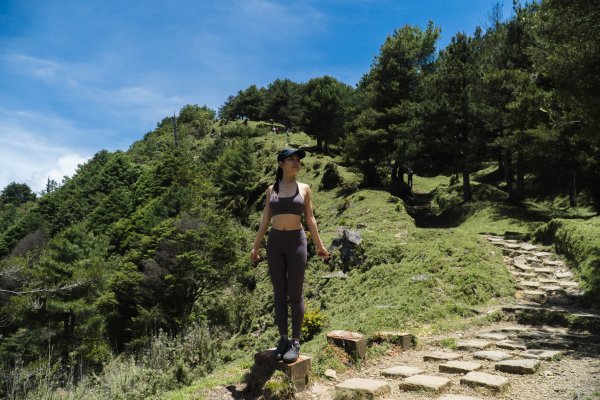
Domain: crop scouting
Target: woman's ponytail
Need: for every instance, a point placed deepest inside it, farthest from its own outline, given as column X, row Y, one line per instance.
column 278, row 178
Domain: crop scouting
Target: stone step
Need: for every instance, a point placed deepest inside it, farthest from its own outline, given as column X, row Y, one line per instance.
column 474, row 344
column 459, row 367
column 354, row 343
column 539, row 354
column 492, row 336
column 529, row 284
column 426, row 383
column 511, row 345
column 370, row 388
column 481, row 381
column 403, row 371
column 566, row 316
column 458, row 397
column 539, row 296
column 441, row 356
column 563, row 275
column 402, row 339
column 521, row 366
column 491, row 355
column 298, row 371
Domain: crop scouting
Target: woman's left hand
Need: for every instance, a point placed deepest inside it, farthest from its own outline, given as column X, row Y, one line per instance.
column 323, row 253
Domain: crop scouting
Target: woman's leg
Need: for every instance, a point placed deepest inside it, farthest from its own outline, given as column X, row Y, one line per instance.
column 277, row 272
column 296, row 265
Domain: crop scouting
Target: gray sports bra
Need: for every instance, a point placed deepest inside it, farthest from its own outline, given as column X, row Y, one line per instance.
column 286, row 205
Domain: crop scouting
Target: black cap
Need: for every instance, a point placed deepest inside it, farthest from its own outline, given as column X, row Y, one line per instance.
column 283, row 154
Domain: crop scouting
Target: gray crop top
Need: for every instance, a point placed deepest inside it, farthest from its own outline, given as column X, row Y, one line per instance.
column 286, row 205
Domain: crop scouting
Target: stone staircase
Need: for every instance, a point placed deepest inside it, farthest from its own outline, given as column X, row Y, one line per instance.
column 531, row 360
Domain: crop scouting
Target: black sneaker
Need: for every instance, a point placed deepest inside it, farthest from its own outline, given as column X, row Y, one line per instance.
column 293, row 351
column 281, row 348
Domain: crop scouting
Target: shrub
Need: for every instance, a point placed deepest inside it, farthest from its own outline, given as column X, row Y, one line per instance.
column 314, row 320
column 279, row 387
column 331, row 177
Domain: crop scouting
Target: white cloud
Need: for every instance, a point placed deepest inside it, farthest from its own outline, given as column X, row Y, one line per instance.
column 30, row 154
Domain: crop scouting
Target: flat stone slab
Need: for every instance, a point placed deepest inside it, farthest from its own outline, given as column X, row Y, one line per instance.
column 544, row 270
column 512, row 345
column 492, row 336
column 555, row 344
column 457, row 397
column 441, row 356
column 474, row 344
column 512, row 246
column 528, row 246
column 545, row 281
column 372, row 388
column 539, row 354
column 538, row 296
column 529, row 284
column 514, row 329
column 553, row 288
column 536, row 335
column 541, row 253
column 523, row 267
column 568, row 284
column 554, row 263
column 491, row 355
column 428, row 383
column 522, row 366
column 459, row 367
column 563, row 275
column 486, row 382
column 404, row 371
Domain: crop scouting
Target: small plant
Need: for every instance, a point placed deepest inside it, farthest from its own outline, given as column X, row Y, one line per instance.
column 331, row 177
column 279, row 387
column 314, row 320
column 449, row 343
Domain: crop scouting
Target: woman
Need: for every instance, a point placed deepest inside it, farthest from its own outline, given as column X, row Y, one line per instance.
column 287, row 199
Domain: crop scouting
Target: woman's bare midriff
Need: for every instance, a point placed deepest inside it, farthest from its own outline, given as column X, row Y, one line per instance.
column 286, row 222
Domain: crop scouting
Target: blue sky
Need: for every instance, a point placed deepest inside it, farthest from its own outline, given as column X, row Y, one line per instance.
column 78, row 76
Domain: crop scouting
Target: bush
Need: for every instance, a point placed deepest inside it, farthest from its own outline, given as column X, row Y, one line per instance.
column 314, row 320
column 235, row 130
column 279, row 387
column 331, row 177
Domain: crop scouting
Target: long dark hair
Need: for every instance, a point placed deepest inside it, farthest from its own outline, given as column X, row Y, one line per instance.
column 278, row 177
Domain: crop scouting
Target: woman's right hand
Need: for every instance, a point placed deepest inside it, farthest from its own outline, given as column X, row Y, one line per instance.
column 254, row 255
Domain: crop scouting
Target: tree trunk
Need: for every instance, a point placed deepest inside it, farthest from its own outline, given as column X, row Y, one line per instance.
column 319, row 143
column 500, row 159
column 520, row 176
column 509, row 176
column 467, row 194
column 572, row 190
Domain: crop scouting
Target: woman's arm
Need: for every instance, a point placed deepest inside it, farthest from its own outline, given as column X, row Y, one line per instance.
column 311, row 221
column 264, row 224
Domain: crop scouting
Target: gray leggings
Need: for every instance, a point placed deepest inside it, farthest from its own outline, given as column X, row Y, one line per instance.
column 286, row 255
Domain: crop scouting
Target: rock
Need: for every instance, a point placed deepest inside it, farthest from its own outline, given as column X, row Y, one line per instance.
column 512, row 246
column 473, row 344
column 427, row 383
column 538, row 296
column 546, row 271
column 529, row 284
column 518, row 366
column 402, row 370
column 441, row 356
column 563, row 275
column 549, row 281
column 491, row 355
column 554, row 263
column 541, row 254
column 331, row 374
column 568, row 284
column 541, row 354
column 337, row 274
column 372, row 388
column 420, row 278
column 514, row 329
column 553, row 289
column 487, row 382
column 528, row 246
column 492, row 336
column 512, row 345
column 457, row 397
column 347, row 244
column 535, row 335
column 555, row 344
column 459, row 367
